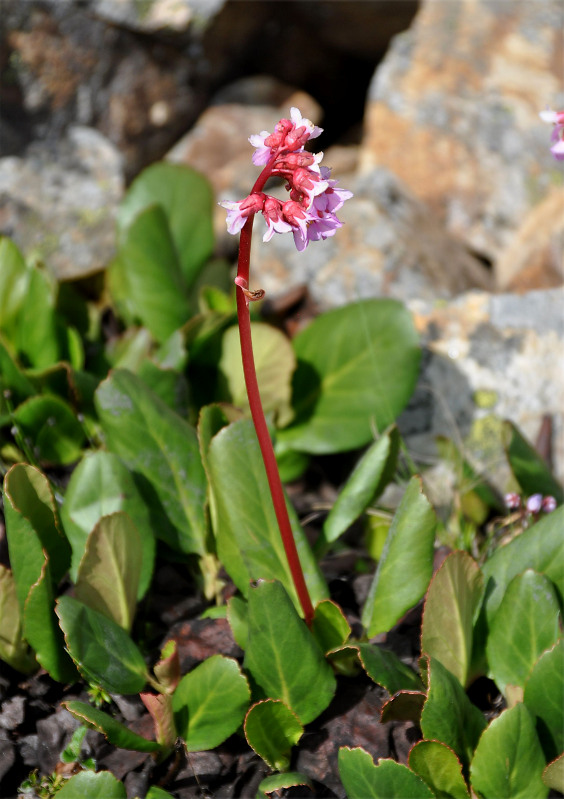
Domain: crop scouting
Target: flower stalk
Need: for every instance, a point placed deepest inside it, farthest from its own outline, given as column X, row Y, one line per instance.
column 310, row 214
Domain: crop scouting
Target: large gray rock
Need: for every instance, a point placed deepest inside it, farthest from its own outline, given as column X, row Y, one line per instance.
column 59, row 203
column 453, row 111
column 488, row 358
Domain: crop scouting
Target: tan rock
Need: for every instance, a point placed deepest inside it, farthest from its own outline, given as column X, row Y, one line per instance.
column 453, row 111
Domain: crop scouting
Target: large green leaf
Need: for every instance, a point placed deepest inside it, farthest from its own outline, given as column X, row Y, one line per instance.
column 146, row 278
column 357, row 368
column 530, row 470
column 553, row 775
column 244, row 522
column 162, row 449
column 406, row 565
column 282, row 655
column 541, row 548
column 450, row 606
column 368, row 479
column 364, row 780
column 448, row 715
column 108, row 575
column 116, row 733
column 14, row 285
column 272, row 729
column 276, row 782
column 509, row 761
column 39, row 555
column 186, row 199
column 39, row 333
column 330, row 627
column 103, row 652
column 274, row 362
column 440, row 768
column 99, row 486
column 526, row 623
column 210, row 703
column 544, row 696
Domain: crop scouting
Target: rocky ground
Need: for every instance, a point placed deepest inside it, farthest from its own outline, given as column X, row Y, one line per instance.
column 431, row 118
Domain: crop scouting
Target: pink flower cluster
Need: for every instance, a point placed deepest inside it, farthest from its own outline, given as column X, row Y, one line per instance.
column 555, row 118
column 311, row 211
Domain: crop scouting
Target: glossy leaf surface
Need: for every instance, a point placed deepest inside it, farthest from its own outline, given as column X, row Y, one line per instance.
column 406, row 565
column 386, row 669
column 276, row 634
column 210, row 703
column 530, row 470
column 440, row 768
column 91, row 785
column 116, row 733
column 160, row 447
column 364, row 780
column 330, row 627
column 272, row 729
column 526, row 623
column 108, row 575
column 103, row 652
column 450, row 606
column 509, row 761
column 246, row 530
column 357, row 368
column 544, row 697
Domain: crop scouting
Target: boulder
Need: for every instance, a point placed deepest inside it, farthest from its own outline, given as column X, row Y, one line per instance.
column 453, row 111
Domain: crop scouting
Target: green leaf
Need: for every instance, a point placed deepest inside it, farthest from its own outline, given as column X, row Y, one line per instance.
column 32, row 526
column 14, row 285
column 162, row 449
column 103, row 652
column 404, row 706
column 553, row 775
column 364, row 780
column 406, row 565
column 186, row 199
column 146, row 278
column 39, row 333
column 237, row 616
column 247, row 533
column 450, row 607
column 39, row 555
column 541, row 548
column 440, row 768
column 544, row 696
column 508, row 763
column 330, row 627
column 357, row 368
column 52, row 429
column 12, row 379
column 276, row 782
column 13, row 649
column 272, row 729
column 530, row 470
column 274, row 361
column 524, row 626
column 386, row 669
column 115, row 733
column 155, row 792
column 99, row 486
column 448, row 715
column 88, row 785
column 369, row 478
column 276, row 635
column 210, row 703
column 108, row 575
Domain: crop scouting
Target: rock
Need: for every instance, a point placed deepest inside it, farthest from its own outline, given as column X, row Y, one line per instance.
column 534, row 257
column 453, row 111
column 157, row 15
column 59, row 203
column 488, row 358
column 391, row 246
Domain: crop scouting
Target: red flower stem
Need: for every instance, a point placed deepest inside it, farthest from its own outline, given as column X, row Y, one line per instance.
column 257, row 413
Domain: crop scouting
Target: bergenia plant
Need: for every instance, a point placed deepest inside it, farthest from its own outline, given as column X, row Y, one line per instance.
column 310, row 214
column 555, row 118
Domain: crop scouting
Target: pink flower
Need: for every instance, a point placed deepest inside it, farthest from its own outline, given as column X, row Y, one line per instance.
column 310, row 212
column 555, row 118
column 237, row 212
column 272, row 213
